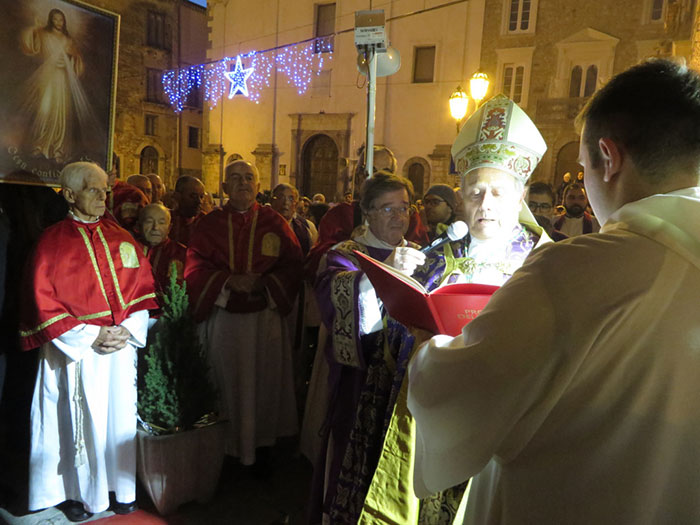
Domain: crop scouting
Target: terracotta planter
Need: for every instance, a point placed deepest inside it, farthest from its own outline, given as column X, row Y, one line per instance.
column 182, row 467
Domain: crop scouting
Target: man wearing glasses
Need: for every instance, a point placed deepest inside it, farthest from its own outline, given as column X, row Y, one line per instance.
column 285, row 199
column 540, row 200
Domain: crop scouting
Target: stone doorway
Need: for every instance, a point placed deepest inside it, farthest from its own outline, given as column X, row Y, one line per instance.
column 567, row 162
column 416, row 172
column 148, row 160
column 320, row 167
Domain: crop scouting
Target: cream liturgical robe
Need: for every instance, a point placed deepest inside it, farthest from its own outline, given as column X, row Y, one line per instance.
column 586, row 409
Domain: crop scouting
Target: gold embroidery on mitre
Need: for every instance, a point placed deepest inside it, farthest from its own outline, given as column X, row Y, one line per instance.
column 271, row 245
column 128, row 254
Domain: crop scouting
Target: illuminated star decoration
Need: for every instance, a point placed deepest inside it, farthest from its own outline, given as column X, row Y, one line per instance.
column 299, row 63
column 238, row 78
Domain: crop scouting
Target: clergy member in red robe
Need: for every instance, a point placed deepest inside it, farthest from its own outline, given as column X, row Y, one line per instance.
column 243, row 272
column 124, row 203
column 162, row 252
column 189, row 196
column 88, row 298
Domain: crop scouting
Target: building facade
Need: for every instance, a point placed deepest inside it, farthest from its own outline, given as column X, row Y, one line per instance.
column 312, row 140
column 548, row 56
column 157, row 35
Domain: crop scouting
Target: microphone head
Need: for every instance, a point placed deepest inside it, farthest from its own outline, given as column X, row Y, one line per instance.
column 457, row 230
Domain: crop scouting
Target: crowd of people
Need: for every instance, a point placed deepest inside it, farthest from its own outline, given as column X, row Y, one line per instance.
column 569, row 399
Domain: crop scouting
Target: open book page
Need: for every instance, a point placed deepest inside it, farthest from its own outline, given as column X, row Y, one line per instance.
column 444, row 311
column 390, row 269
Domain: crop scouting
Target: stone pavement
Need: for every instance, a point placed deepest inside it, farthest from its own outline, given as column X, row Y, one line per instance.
column 241, row 499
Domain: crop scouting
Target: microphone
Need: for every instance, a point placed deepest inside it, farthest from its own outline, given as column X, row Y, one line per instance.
column 455, row 231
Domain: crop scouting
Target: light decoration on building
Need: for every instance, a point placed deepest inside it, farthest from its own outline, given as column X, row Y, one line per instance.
column 248, row 74
column 238, row 78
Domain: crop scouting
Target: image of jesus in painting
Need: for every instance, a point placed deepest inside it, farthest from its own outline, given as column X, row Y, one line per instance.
column 60, row 112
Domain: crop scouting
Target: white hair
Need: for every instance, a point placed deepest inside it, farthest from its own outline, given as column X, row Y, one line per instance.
column 246, row 163
column 74, row 175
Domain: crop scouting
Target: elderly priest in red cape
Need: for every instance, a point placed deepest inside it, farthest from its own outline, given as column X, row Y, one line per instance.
column 243, row 272
column 90, row 292
column 162, row 252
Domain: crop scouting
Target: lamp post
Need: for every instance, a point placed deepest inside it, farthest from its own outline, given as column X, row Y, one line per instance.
column 459, row 102
column 478, row 86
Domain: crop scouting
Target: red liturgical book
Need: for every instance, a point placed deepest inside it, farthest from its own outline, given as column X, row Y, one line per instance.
column 442, row 311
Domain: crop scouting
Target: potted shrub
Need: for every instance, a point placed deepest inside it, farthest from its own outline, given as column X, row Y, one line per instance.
column 180, row 446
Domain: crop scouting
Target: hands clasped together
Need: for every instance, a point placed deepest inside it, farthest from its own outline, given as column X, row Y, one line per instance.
column 245, row 283
column 405, row 259
column 110, row 339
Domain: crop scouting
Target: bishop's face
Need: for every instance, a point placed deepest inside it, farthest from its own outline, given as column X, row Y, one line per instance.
column 492, row 202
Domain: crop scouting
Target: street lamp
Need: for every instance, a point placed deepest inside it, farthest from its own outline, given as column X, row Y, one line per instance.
column 478, row 86
column 459, row 102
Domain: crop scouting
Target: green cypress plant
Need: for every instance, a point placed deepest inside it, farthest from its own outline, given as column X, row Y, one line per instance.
column 175, row 392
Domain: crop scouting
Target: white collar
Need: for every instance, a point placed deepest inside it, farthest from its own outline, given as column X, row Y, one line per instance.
column 75, row 217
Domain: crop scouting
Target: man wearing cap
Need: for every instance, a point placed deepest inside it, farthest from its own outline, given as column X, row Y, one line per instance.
column 496, row 152
column 574, row 400
column 439, row 202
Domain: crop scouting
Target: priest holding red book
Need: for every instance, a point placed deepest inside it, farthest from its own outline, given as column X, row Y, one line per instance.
column 90, row 291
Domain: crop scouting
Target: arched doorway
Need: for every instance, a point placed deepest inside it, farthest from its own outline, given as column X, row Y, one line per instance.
column 319, row 167
column 149, row 160
column 417, row 170
column 567, row 162
column 416, row 174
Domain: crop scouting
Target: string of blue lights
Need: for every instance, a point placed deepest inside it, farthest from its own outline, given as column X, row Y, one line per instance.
column 250, row 74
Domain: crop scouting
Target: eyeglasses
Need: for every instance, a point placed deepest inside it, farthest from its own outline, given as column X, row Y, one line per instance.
column 290, row 198
column 388, row 211
column 544, row 206
column 432, row 202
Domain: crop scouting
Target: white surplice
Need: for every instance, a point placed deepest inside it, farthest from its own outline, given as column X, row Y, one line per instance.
column 83, row 420
column 573, row 397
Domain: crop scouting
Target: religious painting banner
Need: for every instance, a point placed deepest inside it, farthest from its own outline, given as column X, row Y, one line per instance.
column 58, row 87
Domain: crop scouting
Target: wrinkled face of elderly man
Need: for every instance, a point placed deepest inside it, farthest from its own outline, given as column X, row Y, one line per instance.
column 284, row 201
column 492, row 202
column 86, row 196
column 154, row 224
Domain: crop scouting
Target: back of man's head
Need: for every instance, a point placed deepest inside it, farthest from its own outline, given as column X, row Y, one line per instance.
column 652, row 111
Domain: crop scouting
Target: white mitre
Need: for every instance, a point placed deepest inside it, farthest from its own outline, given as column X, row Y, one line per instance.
column 499, row 135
